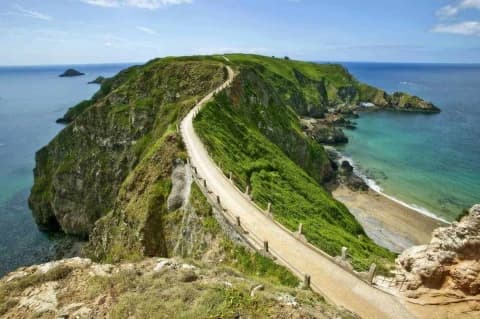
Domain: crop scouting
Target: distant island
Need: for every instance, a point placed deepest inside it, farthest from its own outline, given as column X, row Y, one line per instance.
column 70, row 73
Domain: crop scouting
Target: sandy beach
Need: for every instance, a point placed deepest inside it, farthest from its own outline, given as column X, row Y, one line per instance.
column 387, row 222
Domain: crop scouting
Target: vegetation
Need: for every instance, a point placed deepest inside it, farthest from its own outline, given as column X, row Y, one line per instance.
column 237, row 143
column 123, row 143
column 236, row 256
column 112, row 133
column 14, row 287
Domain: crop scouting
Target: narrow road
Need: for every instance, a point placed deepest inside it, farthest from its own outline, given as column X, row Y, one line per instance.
column 338, row 285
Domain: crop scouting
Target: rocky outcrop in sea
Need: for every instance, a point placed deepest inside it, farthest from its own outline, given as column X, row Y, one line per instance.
column 70, row 73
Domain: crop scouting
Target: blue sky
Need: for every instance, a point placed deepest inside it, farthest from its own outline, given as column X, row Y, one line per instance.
column 99, row 31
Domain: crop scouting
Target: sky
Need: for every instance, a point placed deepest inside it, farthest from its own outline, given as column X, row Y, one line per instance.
column 38, row 32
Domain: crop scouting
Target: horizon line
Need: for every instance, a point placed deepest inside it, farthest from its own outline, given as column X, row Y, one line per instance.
column 279, row 57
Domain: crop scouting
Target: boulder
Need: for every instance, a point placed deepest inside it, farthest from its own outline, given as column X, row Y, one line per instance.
column 451, row 261
column 346, row 167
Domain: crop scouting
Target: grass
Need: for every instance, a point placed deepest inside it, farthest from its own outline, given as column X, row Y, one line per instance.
column 239, row 145
column 16, row 286
column 256, row 265
column 238, row 257
column 166, row 295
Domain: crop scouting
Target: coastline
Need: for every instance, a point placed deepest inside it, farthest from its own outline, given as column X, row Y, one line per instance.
column 389, row 222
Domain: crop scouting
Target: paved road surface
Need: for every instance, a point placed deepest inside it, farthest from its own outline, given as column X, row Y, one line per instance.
column 338, row 285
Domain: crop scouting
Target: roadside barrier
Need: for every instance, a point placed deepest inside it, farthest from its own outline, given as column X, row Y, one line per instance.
column 261, row 245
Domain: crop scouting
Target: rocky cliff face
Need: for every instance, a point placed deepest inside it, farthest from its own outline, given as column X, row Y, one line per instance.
column 449, row 265
column 79, row 173
column 256, row 99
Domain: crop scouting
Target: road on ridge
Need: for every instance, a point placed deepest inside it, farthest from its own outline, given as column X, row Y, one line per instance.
column 337, row 284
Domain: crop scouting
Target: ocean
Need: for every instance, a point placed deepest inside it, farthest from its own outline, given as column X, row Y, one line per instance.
column 31, row 99
column 428, row 161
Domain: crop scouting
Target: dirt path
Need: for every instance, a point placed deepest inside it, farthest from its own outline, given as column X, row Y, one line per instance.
column 338, row 285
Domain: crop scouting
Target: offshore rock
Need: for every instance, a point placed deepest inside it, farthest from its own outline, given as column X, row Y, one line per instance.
column 70, row 73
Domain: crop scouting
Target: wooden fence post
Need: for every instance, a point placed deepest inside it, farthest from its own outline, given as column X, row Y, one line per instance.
column 218, row 200
column 265, row 246
column 238, row 221
column 300, row 228
column 371, row 273
column 344, row 253
column 306, row 281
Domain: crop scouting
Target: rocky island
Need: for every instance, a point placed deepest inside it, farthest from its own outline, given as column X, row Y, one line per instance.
column 118, row 176
column 71, row 73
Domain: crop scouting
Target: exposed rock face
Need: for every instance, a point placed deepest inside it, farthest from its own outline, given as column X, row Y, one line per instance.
column 70, row 73
column 323, row 131
column 450, row 262
column 349, row 178
column 79, row 173
column 181, row 181
column 405, row 102
column 261, row 102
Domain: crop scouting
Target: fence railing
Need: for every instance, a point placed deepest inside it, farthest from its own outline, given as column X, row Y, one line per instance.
column 343, row 261
column 252, row 239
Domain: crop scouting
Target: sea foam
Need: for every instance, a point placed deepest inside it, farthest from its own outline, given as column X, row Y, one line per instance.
column 378, row 189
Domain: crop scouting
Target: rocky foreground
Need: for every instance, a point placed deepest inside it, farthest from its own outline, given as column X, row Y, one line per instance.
column 155, row 287
column 449, row 266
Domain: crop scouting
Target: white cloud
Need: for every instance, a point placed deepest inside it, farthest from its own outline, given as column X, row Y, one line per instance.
column 447, row 11
column 465, row 28
column 30, row 13
column 143, row 4
column 474, row 4
column 103, row 3
column 452, row 10
column 147, row 30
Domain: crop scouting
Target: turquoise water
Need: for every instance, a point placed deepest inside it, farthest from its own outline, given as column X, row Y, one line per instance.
column 430, row 161
column 31, row 99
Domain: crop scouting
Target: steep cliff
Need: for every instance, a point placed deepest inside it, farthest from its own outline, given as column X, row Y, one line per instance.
column 222, row 277
column 108, row 174
column 253, row 130
column 79, row 173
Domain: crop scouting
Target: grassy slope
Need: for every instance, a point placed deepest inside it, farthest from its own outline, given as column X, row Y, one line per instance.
column 237, row 144
column 110, row 135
